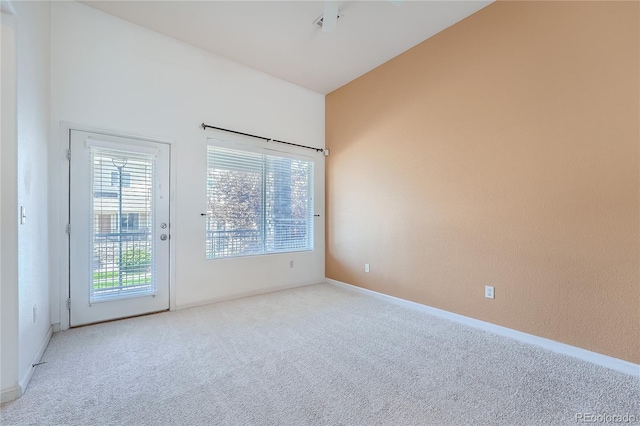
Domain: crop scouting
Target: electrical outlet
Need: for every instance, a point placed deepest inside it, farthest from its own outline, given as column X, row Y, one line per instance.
column 366, row 267
column 291, row 264
column 488, row 292
column 35, row 312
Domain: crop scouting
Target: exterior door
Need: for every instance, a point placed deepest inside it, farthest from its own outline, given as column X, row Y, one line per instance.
column 119, row 227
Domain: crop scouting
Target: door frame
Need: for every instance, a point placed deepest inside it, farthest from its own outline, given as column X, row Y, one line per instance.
column 59, row 238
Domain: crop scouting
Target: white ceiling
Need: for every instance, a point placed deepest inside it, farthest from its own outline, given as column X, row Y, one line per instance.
column 279, row 38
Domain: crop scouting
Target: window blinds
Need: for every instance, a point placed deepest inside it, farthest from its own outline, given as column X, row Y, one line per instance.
column 257, row 203
column 122, row 264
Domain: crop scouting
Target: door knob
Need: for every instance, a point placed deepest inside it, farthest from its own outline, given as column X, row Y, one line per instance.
column 163, row 225
column 163, row 237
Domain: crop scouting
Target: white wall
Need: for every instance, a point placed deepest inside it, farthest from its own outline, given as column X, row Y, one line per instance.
column 33, row 49
column 8, row 217
column 114, row 75
column 25, row 142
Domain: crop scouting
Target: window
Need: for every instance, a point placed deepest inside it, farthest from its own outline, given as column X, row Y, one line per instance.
column 130, row 222
column 257, row 203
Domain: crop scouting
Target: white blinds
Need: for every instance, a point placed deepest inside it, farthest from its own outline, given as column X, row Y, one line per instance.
column 122, row 264
column 257, row 203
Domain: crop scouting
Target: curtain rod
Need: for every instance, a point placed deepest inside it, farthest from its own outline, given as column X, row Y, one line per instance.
column 206, row 126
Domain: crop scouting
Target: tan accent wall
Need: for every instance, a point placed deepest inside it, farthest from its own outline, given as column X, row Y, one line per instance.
column 504, row 151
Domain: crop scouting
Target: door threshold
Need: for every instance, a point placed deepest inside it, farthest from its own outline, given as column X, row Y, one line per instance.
column 118, row 319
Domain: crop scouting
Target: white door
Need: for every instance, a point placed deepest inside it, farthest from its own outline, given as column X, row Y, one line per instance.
column 119, row 227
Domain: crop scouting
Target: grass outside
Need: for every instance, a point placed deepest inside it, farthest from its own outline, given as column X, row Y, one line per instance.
column 108, row 279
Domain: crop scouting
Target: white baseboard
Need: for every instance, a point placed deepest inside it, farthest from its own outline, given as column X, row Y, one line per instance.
column 558, row 347
column 36, row 359
column 10, row 394
column 246, row 294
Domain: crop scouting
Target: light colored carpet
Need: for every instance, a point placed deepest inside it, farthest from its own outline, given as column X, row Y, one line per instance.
column 309, row 356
